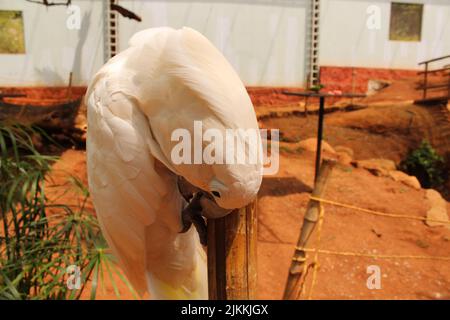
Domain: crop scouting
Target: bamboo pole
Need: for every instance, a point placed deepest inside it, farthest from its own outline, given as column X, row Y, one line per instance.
column 232, row 255
column 294, row 282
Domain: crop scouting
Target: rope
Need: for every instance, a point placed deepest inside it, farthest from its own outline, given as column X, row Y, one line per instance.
column 318, row 251
column 376, row 256
column 374, row 212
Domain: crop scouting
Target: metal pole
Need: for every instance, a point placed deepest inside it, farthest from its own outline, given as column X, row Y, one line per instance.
column 448, row 89
column 425, row 81
column 111, row 30
column 319, row 136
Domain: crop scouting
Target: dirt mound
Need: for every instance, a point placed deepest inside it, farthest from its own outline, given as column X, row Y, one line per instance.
column 374, row 132
column 43, row 96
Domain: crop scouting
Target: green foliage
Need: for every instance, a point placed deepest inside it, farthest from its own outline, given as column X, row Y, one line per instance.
column 39, row 239
column 428, row 166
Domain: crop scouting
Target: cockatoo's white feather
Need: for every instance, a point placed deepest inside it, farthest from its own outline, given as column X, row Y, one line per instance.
column 165, row 80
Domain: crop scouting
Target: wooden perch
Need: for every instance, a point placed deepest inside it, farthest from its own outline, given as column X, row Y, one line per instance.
column 294, row 282
column 232, row 255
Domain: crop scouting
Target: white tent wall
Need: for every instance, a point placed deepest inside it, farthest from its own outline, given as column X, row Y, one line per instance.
column 346, row 39
column 52, row 50
column 263, row 40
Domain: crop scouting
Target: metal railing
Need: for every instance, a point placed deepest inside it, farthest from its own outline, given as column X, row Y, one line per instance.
column 427, row 71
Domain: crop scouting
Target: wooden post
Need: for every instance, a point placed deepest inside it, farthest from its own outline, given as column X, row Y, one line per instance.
column 294, row 281
column 232, row 255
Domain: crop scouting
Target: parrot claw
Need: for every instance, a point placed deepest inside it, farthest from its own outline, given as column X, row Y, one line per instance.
column 192, row 214
column 200, row 226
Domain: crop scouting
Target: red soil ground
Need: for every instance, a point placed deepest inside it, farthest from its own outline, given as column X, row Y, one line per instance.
column 282, row 204
column 387, row 129
column 352, row 79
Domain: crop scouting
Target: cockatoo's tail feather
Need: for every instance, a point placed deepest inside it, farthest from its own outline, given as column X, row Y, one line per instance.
column 160, row 290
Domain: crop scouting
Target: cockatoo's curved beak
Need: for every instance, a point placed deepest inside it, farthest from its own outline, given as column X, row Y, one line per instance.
column 210, row 208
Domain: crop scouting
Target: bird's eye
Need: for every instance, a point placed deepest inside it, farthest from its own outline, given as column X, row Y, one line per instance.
column 216, row 194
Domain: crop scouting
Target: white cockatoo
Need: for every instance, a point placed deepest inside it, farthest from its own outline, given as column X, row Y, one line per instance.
column 145, row 201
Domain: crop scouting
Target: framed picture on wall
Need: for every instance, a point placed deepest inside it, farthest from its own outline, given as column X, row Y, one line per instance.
column 406, row 21
column 12, row 39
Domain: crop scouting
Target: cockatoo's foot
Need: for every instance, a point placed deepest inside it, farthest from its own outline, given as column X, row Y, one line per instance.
column 200, row 204
column 192, row 214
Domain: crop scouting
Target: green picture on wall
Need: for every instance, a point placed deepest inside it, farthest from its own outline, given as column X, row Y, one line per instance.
column 406, row 22
column 12, row 38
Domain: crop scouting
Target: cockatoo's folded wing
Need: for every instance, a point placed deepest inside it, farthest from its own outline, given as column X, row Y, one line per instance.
column 128, row 191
